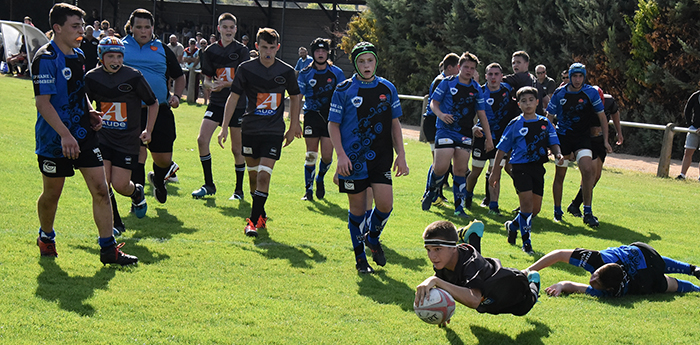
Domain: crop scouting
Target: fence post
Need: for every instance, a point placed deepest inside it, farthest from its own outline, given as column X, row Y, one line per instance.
column 666, row 146
column 421, row 135
column 192, row 87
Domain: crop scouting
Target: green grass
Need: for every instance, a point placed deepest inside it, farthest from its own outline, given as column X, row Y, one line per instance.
column 200, row 280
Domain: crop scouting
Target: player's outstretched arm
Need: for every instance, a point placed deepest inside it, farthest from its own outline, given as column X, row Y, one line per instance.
column 468, row 297
column 565, row 287
column 560, row 255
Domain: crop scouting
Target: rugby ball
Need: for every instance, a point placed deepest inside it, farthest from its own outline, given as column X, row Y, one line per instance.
column 438, row 307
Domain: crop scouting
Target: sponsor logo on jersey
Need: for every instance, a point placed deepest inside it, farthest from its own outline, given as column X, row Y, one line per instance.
column 49, row 167
column 267, row 103
column 225, row 74
column 562, row 101
column 357, row 101
column 115, row 116
column 233, row 56
column 349, row 184
column 312, row 82
column 544, row 127
column 523, row 131
column 247, row 150
column 445, row 141
column 280, row 80
column 44, row 79
column 125, row 87
column 487, row 301
column 382, row 98
column 490, row 101
column 453, row 91
column 67, row 73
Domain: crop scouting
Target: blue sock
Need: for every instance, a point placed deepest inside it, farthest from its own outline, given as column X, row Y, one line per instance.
column 365, row 223
column 430, row 175
column 322, row 169
column 514, row 224
column 459, row 187
column 376, row 225
column 493, row 205
column 675, row 266
column 557, row 210
column 356, row 236
column 686, row 286
column 107, row 241
column 525, row 226
column 587, row 209
column 309, row 172
column 435, row 181
column 47, row 237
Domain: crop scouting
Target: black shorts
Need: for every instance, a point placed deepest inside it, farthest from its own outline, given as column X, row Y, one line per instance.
column 262, row 145
column 598, row 145
column 315, row 126
column 569, row 143
column 216, row 113
column 429, row 128
column 651, row 279
column 528, row 177
column 90, row 157
column 164, row 133
column 479, row 150
column 379, row 171
column 119, row 158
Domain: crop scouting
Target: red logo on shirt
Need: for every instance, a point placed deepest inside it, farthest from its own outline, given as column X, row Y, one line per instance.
column 330, row 80
column 382, row 98
column 580, row 100
column 154, row 48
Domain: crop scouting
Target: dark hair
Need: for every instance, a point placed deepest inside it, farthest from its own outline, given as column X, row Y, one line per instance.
column 526, row 90
column 467, row 56
column 138, row 13
column 492, row 65
column 441, row 229
column 610, row 276
column 227, row 16
column 450, row 59
column 522, row 54
column 268, row 35
column 59, row 13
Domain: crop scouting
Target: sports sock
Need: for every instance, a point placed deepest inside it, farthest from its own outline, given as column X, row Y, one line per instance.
column 493, row 205
column 116, row 218
column 138, row 174
column 578, row 200
column 309, row 172
column 47, row 237
column 459, row 185
column 240, row 171
column 557, row 210
column 107, row 241
column 365, row 222
column 258, row 208
column 587, row 209
column 323, row 169
column 487, row 195
column 159, row 175
column 206, row 167
column 356, row 236
column 475, row 241
column 376, row 225
column 515, row 224
column 525, row 226
column 430, row 175
column 675, row 266
column 686, row 286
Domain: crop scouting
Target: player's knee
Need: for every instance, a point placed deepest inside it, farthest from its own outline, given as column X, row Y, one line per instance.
column 311, row 157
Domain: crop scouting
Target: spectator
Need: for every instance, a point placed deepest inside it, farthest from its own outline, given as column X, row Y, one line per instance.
column 254, row 54
column 28, row 21
column 304, row 60
column 548, row 84
column 104, row 25
column 18, row 61
column 212, row 39
column 94, row 16
column 692, row 140
column 191, row 59
column 97, row 31
column 246, row 41
column 176, row 47
column 199, row 38
column 89, row 46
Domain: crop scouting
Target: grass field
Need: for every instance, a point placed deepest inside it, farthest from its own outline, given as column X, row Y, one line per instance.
column 200, row 280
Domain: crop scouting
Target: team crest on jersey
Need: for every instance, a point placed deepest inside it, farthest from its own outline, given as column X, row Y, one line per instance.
column 357, row 101
column 382, row 98
column 349, row 184
column 523, row 131
column 308, row 130
column 67, row 73
column 312, row 82
column 125, row 87
column 580, row 100
column 489, row 101
column 329, row 80
column 49, row 167
column 477, row 153
column 453, row 91
column 233, row 56
column 280, row 80
column 562, row 101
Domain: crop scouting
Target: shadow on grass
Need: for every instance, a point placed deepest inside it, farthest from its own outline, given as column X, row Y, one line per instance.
column 299, row 256
column 163, row 226
column 574, row 226
column 487, row 336
column 327, row 208
column 414, row 264
column 386, row 290
column 55, row 285
column 630, row 301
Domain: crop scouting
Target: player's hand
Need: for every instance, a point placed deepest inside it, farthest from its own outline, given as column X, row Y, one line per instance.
column 219, row 85
column 400, row 166
column 489, row 144
column 293, row 132
column 478, row 132
column 174, row 101
column 95, row 120
column 559, row 158
column 344, row 167
column 70, row 147
column 145, row 137
column 621, row 139
column 444, row 324
column 423, row 290
column 554, row 290
column 447, row 118
column 608, row 148
column 495, row 178
column 223, row 134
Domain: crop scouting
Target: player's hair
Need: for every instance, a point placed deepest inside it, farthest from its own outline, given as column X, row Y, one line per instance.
column 467, row 56
column 441, row 229
column 527, row 90
column 522, row 54
column 450, row 59
column 493, row 65
column 59, row 13
column 138, row 13
column 227, row 16
column 268, row 35
column 610, row 276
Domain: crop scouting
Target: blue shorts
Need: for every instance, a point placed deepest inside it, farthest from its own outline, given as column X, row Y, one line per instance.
column 445, row 138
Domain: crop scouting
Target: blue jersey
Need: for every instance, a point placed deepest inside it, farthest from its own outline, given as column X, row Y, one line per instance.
column 302, row 63
column 529, row 139
column 575, row 110
column 63, row 77
column 631, row 258
column 500, row 108
column 433, row 85
column 155, row 62
column 317, row 86
column 462, row 101
column 365, row 111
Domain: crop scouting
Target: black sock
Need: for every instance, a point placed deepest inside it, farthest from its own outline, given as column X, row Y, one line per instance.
column 475, row 241
column 159, row 175
column 240, row 171
column 138, row 174
column 206, row 167
column 258, row 208
column 487, row 196
column 116, row 219
column 578, row 200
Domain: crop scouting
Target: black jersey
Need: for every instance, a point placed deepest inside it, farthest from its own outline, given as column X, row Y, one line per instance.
column 221, row 63
column 522, row 79
column 119, row 96
column 610, row 106
column 692, row 110
column 265, row 89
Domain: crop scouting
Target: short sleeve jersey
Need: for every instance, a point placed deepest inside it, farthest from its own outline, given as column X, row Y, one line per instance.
column 265, row 89
column 549, row 86
column 522, row 79
column 433, row 85
column 156, row 62
column 63, row 77
column 500, row 108
column 575, row 110
column 528, row 139
column 119, row 96
column 609, row 106
column 221, row 63
column 462, row 101
column 631, row 258
column 317, row 86
column 364, row 112
column 302, row 63
column 692, row 110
